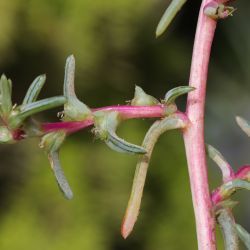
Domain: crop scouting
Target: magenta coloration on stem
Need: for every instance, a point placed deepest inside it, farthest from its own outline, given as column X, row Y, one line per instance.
column 243, row 172
column 129, row 112
column 70, row 127
column 126, row 112
column 216, row 196
column 194, row 134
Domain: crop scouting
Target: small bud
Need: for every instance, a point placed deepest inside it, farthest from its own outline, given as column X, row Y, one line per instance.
column 143, row 99
column 229, row 188
column 217, row 11
column 243, row 235
column 5, row 135
column 224, row 205
column 172, row 94
column 5, row 100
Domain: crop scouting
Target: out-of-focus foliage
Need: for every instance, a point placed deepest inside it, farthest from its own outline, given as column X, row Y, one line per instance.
column 115, row 48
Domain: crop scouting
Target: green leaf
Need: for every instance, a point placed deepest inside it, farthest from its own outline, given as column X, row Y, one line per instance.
column 74, row 109
column 34, row 89
column 217, row 157
column 172, row 94
column 6, row 102
column 105, row 126
column 59, row 175
column 33, row 108
column 244, row 125
column 169, row 15
column 244, row 235
column 118, row 144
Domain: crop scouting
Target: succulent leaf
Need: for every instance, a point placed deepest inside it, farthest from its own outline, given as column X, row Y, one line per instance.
column 5, row 101
column 172, row 94
column 105, row 126
column 169, row 15
column 217, row 157
column 34, row 89
column 59, row 175
column 74, row 109
column 25, row 111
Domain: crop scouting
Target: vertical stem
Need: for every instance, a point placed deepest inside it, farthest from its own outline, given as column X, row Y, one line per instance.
column 194, row 134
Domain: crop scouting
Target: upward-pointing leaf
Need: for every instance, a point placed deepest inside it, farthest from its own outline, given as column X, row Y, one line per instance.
column 5, row 91
column 34, row 89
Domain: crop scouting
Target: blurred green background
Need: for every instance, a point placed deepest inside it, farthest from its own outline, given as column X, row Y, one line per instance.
column 115, row 48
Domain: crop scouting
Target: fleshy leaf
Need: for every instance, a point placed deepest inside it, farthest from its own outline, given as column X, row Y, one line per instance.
column 118, row 144
column 105, row 126
column 34, row 89
column 133, row 207
column 216, row 156
column 143, row 99
column 172, row 94
column 59, row 175
column 51, row 144
column 244, row 125
column 17, row 117
column 74, row 109
column 244, row 235
column 5, row 91
column 169, row 15
column 226, row 222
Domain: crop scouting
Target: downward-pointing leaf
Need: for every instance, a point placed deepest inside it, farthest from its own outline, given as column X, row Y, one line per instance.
column 169, row 15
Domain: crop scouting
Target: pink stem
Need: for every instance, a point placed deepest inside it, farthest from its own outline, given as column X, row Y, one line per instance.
column 126, row 112
column 194, row 134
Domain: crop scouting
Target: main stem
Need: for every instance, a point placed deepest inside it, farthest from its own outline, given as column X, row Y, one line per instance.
column 194, row 134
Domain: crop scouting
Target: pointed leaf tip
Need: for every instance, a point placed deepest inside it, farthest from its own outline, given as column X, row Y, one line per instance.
column 118, row 144
column 169, row 15
column 217, row 157
column 172, row 94
column 243, row 124
column 59, row 175
column 34, row 89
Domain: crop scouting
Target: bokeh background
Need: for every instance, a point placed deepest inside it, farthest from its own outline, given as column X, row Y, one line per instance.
column 115, row 48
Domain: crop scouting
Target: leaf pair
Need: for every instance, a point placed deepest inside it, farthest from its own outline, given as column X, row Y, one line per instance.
column 15, row 116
